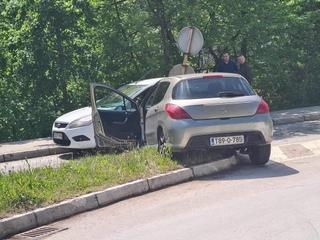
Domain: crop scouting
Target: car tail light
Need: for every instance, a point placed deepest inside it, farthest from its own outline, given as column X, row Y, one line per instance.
column 263, row 107
column 176, row 112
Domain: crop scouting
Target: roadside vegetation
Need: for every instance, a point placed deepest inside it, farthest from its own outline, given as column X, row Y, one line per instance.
column 27, row 190
column 51, row 50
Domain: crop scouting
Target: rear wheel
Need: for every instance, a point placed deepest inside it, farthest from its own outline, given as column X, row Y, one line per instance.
column 260, row 155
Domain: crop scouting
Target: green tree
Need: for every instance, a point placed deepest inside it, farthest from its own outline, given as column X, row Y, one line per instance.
column 49, row 61
column 51, row 49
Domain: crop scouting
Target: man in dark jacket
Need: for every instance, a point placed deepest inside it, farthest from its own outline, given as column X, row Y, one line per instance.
column 226, row 65
column 244, row 69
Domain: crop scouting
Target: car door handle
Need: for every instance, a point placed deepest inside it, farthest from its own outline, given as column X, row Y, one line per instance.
column 156, row 109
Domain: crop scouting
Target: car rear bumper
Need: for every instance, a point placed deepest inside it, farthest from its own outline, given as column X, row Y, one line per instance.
column 202, row 142
column 195, row 134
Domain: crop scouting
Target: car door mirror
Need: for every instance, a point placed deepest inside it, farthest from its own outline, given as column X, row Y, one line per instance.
column 129, row 106
column 138, row 100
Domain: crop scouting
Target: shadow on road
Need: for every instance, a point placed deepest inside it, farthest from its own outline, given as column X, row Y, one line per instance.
column 245, row 170
column 296, row 130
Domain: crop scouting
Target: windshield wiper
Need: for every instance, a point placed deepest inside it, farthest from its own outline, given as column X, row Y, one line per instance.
column 230, row 94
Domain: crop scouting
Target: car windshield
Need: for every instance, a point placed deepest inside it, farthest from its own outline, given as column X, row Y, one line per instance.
column 214, row 87
column 131, row 90
column 112, row 100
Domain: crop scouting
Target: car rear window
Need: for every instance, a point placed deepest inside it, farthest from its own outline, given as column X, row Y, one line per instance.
column 212, row 88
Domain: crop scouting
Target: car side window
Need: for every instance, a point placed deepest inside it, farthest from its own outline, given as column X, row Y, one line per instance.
column 139, row 99
column 160, row 92
column 150, row 99
column 129, row 106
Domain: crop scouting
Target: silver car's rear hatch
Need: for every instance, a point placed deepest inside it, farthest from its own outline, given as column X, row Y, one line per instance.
column 210, row 108
column 216, row 97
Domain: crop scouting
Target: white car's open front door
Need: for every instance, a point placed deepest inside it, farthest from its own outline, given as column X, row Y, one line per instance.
column 115, row 116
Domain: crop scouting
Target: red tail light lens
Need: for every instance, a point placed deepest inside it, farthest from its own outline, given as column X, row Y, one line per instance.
column 176, row 112
column 263, row 107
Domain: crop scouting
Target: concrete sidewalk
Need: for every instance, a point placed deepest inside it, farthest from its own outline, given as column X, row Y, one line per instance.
column 44, row 146
column 29, row 149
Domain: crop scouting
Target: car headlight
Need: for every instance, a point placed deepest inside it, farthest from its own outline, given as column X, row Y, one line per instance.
column 86, row 121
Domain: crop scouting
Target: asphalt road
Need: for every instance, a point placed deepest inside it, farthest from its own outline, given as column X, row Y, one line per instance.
column 278, row 201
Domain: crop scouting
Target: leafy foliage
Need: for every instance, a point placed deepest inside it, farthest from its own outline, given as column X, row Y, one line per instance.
column 51, row 50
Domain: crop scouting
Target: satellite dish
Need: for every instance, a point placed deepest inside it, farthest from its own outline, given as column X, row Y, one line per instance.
column 180, row 69
column 190, row 40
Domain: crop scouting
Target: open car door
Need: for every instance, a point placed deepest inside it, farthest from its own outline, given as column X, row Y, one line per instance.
column 115, row 116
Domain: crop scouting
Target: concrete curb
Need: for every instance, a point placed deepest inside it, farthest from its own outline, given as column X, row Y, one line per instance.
column 312, row 116
column 18, row 223
column 167, row 179
column 121, row 192
column 288, row 120
column 32, row 154
column 295, row 118
column 214, row 167
column 68, row 208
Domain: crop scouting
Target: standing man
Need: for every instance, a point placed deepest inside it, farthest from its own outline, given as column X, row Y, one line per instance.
column 226, row 65
column 244, row 69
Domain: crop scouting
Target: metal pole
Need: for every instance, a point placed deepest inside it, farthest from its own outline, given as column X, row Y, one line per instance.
column 186, row 55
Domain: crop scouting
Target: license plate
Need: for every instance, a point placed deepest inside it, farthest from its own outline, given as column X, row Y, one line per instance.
column 228, row 140
column 57, row 136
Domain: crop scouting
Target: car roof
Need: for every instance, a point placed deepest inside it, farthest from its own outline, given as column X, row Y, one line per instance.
column 145, row 84
column 178, row 78
column 148, row 82
column 201, row 75
column 152, row 81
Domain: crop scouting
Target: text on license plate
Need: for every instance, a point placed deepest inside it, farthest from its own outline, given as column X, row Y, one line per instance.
column 228, row 140
column 57, row 136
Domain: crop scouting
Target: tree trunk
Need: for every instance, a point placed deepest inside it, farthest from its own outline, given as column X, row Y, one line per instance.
column 124, row 34
column 244, row 47
column 158, row 10
column 61, row 74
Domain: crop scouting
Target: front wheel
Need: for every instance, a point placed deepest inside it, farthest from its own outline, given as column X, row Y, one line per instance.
column 260, row 155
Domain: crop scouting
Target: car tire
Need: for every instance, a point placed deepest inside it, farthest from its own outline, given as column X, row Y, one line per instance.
column 260, row 155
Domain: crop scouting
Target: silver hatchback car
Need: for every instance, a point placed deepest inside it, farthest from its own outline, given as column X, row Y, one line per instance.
column 191, row 112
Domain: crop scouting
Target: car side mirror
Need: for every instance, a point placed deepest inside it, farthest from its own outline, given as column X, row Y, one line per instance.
column 138, row 101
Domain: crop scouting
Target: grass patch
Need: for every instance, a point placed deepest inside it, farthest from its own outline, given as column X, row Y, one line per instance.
column 23, row 191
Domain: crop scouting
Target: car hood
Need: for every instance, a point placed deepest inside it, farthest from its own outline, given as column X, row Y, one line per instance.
column 74, row 115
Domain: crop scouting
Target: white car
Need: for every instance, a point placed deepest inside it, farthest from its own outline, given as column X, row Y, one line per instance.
column 75, row 129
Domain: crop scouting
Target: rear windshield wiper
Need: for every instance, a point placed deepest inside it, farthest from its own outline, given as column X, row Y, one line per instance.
column 230, row 94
